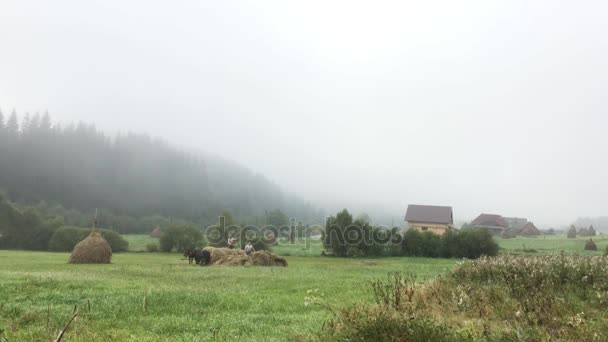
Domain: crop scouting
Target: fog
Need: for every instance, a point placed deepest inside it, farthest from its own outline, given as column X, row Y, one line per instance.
column 495, row 107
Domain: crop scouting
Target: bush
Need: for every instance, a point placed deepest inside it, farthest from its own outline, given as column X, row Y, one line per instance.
column 505, row 298
column 590, row 245
column 572, row 232
column 421, row 244
column 180, row 237
column 469, row 243
column 152, row 248
column 65, row 238
column 362, row 324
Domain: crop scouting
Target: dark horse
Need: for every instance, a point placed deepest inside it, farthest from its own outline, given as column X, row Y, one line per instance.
column 201, row 257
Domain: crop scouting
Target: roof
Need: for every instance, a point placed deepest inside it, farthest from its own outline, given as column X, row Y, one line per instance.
column 530, row 229
column 490, row 220
column 429, row 213
column 516, row 222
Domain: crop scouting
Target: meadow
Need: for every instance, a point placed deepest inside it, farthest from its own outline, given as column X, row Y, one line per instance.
column 551, row 244
column 159, row 297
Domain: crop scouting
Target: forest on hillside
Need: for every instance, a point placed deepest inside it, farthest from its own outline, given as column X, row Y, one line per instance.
column 75, row 167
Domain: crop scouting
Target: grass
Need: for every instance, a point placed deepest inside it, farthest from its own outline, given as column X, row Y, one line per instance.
column 159, row 297
column 551, row 244
column 137, row 243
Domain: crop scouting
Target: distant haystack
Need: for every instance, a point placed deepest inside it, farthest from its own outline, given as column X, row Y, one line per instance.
column 94, row 249
column 237, row 257
column 156, row 233
column 590, row 245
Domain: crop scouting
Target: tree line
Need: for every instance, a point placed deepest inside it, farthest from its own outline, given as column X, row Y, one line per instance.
column 137, row 181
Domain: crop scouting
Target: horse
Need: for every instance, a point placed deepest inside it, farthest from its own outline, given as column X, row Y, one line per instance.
column 201, row 257
column 189, row 253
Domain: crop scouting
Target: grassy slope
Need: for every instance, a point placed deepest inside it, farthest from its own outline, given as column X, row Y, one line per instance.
column 183, row 303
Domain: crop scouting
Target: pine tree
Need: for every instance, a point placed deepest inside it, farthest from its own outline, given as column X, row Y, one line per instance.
column 572, row 232
column 591, row 231
column 1, row 120
column 12, row 125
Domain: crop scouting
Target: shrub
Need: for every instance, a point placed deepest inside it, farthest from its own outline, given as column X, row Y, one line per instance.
column 469, row 243
column 572, row 232
column 373, row 323
column 180, row 237
column 152, row 247
column 475, row 243
column 590, row 245
column 65, row 238
column 505, row 298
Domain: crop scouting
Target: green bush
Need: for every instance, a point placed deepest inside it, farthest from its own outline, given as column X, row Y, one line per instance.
column 504, row 298
column 469, row 243
column 152, row 248
column 373, row 323
column 65, row 238
column 590, row 245
column 180, row 237
column 572, row 232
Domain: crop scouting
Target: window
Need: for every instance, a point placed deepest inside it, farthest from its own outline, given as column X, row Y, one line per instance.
column 425, row 228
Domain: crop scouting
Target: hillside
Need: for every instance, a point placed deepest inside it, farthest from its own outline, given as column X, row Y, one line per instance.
column 79, row 167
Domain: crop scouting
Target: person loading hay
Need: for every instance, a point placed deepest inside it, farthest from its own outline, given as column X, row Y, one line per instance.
column 231, row 242
column 249, row 248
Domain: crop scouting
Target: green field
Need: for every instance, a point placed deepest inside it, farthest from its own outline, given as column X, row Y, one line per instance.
column 159, row 297
column 551, row 244
column 137, row 243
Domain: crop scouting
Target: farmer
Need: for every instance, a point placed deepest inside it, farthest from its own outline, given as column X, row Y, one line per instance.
column 231, row 242
column 249, row 248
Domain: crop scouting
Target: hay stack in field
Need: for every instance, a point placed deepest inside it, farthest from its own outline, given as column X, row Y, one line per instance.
column 219, row 254
column 94, row 249
column 237, row 257
column 265, row 258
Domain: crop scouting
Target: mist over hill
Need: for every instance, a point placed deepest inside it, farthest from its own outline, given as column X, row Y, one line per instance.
column 79, row 167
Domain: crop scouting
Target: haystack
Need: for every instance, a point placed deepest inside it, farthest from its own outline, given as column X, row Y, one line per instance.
column 237, row 257
column 94, row 249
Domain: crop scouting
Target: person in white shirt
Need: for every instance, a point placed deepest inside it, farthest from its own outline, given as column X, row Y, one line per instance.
column 249, row 248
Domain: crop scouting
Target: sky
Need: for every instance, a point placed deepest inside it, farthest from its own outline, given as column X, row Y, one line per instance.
column 486, row 106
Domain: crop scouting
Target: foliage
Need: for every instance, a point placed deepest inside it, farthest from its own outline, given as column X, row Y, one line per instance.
column 25, row 229
column 131, row 176
column 65, row 238
column 506, row 298
column 572, row 232
column 334, row 235
column 470, row 243
column 180, row 237
column 590, row 245
column 152, row 247
column 277, row 218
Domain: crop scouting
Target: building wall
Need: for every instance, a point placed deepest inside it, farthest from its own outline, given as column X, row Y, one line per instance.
column 436, row 228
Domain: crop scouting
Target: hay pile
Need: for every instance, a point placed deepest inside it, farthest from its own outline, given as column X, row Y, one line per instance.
column 237, row 257
column 94, row 249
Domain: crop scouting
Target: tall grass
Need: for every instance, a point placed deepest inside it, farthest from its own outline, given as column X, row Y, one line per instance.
column 506, row 298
